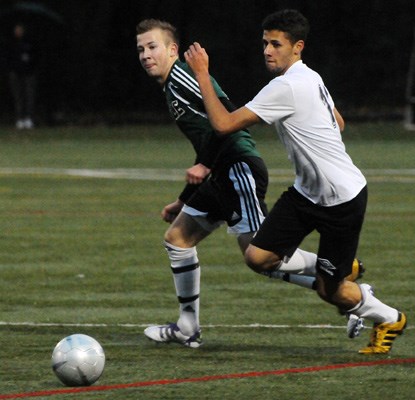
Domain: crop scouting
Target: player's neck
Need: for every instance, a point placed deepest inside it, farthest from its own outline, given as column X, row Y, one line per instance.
column 162, row 79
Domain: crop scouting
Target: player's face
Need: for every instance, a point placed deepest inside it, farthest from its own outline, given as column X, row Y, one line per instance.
column 279, row 52
column 157, row 54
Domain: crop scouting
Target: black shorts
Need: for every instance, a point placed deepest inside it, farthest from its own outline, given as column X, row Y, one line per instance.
column 235, row 194
column 293, row 217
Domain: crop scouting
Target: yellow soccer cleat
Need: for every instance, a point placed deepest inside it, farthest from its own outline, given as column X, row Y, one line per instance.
column 357, row 271
column 383, row 335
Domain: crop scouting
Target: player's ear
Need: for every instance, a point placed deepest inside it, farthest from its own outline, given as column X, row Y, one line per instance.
column 174, row 49
column 298, row 47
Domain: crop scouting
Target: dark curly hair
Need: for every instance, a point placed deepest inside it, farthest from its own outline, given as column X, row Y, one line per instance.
column 291, row 22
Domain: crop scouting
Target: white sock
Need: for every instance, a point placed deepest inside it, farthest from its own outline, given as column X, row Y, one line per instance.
column 301, row 263
column 299, row 270
column 186, row 275
column 372, row 308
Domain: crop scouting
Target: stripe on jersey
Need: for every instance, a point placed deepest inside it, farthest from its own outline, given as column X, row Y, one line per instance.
column 176, row 95
column 186, row 80
column 184, row 101
column 244, row 184
column 204, row 115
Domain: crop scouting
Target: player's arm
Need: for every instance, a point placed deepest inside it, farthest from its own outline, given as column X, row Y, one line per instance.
column 339, row 119
column 223, row 121
column 171, row 211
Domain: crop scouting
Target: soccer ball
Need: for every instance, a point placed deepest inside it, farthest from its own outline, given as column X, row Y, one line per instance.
column 78, row 360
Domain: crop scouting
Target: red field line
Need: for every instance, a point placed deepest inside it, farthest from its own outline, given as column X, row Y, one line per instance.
column 208, row 378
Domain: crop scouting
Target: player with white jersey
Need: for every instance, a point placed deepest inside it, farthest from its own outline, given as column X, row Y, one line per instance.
column 329, row 193
column 306, row 124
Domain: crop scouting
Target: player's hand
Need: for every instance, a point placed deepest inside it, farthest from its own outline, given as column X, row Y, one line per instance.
column 197, row 174
column 197, row 58
column 171, row 211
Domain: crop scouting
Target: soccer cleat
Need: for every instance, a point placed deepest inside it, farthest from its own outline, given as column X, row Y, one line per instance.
column 171, row 334
column 354, row 326
column 383, row 335
column 357, row 271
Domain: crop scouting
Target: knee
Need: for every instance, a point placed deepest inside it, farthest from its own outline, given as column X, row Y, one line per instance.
column 255, row 260
column 168, row 237
column 254, row 265
column 174, row 237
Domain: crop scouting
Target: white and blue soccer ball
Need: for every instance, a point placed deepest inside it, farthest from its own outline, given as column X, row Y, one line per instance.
column 78, row 360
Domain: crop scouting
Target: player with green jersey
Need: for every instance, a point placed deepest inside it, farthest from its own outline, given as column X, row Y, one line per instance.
column 218, row 156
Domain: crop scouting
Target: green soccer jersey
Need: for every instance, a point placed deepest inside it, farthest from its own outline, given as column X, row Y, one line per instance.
column 186, row 107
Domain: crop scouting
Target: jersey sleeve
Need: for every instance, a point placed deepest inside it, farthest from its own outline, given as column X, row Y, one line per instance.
column 274, row 102
column 212, row 150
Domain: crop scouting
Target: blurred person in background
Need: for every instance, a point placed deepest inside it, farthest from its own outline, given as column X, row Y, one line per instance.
column 22, row 60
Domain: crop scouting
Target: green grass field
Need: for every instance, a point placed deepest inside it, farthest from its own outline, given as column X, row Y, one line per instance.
column 82, row 252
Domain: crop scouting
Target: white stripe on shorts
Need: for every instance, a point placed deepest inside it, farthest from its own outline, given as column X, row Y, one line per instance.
column 244, row 183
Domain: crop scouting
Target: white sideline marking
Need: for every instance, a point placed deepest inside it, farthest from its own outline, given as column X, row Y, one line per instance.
column 165, row 174
column 212, row 326
column 117, row 173
column 87, row 325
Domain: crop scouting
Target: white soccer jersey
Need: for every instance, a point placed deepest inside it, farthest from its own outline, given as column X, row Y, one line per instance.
column 301, row 108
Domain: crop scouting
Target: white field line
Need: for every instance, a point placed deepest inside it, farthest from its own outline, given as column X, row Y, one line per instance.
column 207, row 326
column 165, row 174
column 152, row 174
